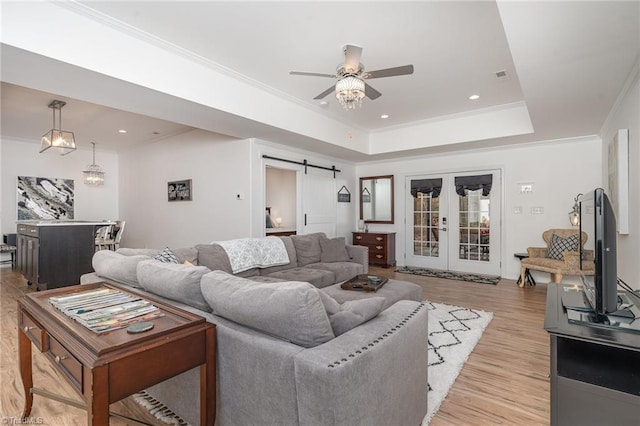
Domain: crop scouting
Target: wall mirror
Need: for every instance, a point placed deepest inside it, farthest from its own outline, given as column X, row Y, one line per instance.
column 376, row 199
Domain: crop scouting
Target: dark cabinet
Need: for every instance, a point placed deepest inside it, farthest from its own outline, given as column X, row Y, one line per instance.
column 594, row 369
column 55, row 256
column 382, row 247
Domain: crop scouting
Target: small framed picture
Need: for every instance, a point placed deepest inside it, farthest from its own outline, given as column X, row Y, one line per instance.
column 179, row 190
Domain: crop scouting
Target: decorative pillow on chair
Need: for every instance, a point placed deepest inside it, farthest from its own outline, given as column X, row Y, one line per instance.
column 560, row 245
column 166, row 256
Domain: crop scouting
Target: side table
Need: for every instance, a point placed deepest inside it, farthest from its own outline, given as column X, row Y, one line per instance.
column 528, row 278
column 105, row 368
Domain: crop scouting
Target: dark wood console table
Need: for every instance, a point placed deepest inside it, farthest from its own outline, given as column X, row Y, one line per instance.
column 105, row 368
column 595, row 373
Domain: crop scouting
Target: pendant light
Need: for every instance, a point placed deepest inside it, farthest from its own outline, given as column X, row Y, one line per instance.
column 94, row 175
column 63, row 140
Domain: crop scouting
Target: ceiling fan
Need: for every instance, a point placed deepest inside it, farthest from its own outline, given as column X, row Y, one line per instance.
column 351, row 86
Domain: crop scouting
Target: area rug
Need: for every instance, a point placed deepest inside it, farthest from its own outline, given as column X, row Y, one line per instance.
column 450, row 275
column 453, row 333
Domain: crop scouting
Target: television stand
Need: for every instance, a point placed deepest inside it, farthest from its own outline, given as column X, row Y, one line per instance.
column 594, row 373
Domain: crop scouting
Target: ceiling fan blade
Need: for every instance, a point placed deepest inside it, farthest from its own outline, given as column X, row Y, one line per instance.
column 370, row 92
column 312, row 74
column 390, row 72
column 352, row 56
column 325, row 93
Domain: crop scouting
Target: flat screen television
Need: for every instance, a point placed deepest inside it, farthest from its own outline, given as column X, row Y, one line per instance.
column 597, row 219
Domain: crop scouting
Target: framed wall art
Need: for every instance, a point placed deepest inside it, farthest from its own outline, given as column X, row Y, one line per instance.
column 42, row 198
column 179, row 190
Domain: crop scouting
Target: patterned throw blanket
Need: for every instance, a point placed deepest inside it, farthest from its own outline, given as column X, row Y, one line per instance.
column 247, row 253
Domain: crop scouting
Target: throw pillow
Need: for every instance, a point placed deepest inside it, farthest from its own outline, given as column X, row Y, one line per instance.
column 333, row 250
column 291, row 310
column 269, row 222
column 117, row 267
column 348, row 315
column 307, row 248
column 560, row 245
column 166, row 256
column 174, row 281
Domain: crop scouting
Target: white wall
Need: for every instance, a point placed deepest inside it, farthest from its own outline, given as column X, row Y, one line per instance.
column 559, row 170
column 219, row 168
column 626, row 115
column 23, row 159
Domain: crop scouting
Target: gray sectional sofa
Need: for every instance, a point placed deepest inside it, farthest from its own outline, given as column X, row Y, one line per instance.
column 292, row 347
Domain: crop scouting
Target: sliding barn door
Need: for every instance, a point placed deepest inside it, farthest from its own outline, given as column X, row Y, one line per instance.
column 319, row 202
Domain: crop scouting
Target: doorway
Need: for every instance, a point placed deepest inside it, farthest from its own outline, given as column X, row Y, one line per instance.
column 281, row 197
column 453, row 221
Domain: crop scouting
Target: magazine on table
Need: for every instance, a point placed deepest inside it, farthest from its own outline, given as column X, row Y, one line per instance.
column 105, row 309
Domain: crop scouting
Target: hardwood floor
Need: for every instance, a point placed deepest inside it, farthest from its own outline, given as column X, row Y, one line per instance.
column 504, row 381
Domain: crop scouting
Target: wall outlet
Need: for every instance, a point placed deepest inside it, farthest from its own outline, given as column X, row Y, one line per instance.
column 517, row 210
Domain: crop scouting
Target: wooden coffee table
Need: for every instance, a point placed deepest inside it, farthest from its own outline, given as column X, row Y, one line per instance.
column 105, row 368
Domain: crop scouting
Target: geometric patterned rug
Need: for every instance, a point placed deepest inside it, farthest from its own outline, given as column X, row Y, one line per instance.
column 453, row 333
column 450, row 275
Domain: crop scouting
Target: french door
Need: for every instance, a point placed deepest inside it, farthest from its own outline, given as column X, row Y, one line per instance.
column 453, row 221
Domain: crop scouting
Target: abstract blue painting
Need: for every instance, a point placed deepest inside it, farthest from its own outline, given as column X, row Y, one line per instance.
column 44, row 198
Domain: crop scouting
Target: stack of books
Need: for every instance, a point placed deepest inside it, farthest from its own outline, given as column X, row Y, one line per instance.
column 105, row 309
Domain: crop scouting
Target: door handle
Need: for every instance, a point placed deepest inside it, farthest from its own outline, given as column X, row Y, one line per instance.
column 443, row 229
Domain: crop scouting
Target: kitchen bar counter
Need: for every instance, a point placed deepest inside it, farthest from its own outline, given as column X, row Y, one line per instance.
column 55, row 253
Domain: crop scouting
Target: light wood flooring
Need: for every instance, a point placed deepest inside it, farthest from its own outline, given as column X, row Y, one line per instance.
column 505, row 380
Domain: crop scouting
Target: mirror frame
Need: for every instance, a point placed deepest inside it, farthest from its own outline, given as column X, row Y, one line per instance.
column 390, row 177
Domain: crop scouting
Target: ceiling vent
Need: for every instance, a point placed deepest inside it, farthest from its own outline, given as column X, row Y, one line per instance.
column 501, row 74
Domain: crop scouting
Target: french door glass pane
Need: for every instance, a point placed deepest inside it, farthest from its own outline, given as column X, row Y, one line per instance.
column 475, row 232
column 425, row 225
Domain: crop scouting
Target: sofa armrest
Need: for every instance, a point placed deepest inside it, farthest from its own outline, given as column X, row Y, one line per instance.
column 537, row 251
column 375, row 374
column 359, row 254
column 588, row 255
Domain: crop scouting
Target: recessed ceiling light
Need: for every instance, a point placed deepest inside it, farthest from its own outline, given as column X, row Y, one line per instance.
column 474, row 97
column 324, row 103
column 122, row 131
column 384, row 116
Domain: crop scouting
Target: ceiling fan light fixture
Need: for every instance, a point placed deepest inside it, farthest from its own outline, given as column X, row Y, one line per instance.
column 63, row 140
column 350, row 92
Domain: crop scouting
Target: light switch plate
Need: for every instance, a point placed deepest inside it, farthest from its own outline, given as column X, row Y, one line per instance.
column 537, row 210
column 517, row 210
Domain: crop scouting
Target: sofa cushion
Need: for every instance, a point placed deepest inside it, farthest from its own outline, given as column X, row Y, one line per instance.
column 318, row 277
column 291, row 310
column 333, row 250
column 343, row 317
column 117, row 267
column 307, row 248
column 174, row 281
column 213, row 257
column 341, row 270
column 560, row 245
column 189, row 254
column 126, row 251
column 166, row 256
